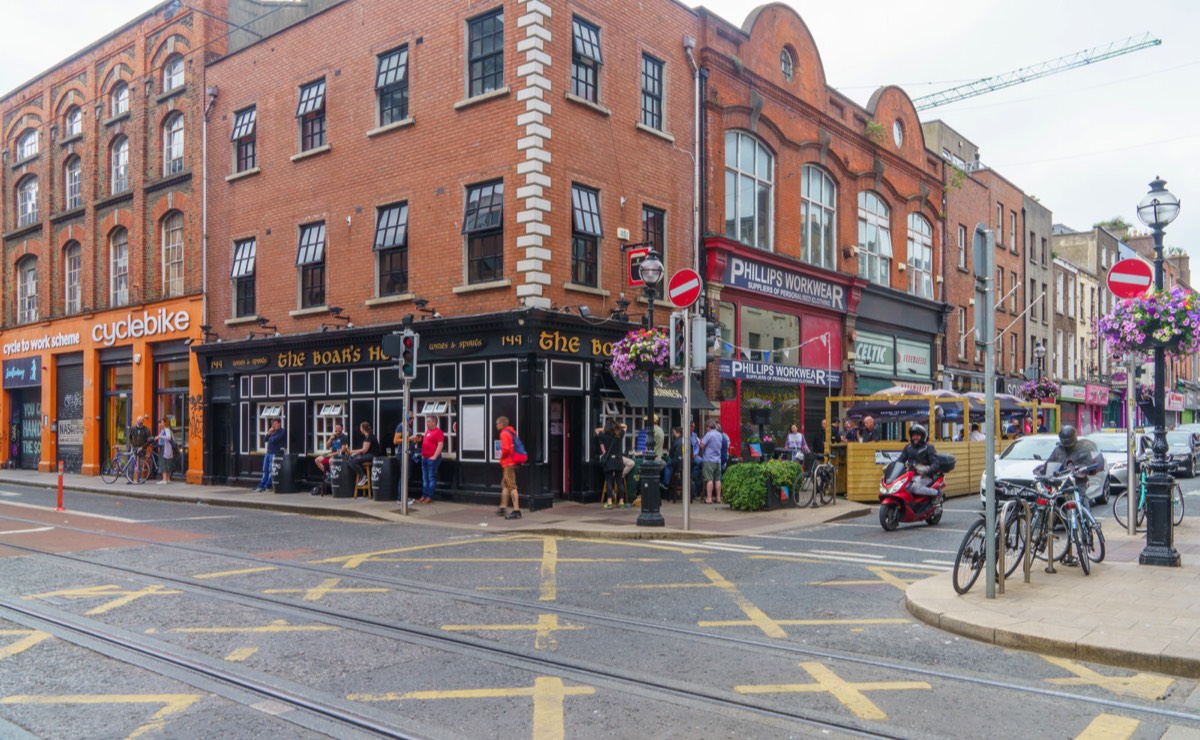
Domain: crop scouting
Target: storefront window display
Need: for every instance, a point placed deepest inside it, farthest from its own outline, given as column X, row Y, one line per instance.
column 118, row 394
column 766, row 336
column 171, row 382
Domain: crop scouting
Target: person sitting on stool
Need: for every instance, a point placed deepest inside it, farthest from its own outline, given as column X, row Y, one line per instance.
column 361, row 457
column 338, row 443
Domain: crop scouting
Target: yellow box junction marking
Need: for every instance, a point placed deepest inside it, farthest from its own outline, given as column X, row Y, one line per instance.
column 173, row 704
column 1109, row 727
column 275, row 627
column 31, row 638
column 545, row 628
column 95, row 592
column 549, row 580
column 350, row 562
column 548, row 694
column 1148, row 686
column 242, row 572
column 237, row 656
column 756, row 616
column 328, row 586
column 848, row 693
column 887, row 575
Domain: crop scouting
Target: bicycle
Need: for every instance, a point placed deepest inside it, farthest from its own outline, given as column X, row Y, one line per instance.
column 1121, row 503
column 818, row 486
column 133, row 464
column 972, row 551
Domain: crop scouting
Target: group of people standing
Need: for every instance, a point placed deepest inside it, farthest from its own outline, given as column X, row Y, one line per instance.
column 162, row 445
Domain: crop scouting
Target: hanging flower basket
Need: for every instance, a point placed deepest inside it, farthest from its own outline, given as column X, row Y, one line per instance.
column 1042, row 389
column 644, row 351
column 1170, row 320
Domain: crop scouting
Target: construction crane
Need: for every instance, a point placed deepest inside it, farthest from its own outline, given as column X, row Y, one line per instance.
column 1025, row 74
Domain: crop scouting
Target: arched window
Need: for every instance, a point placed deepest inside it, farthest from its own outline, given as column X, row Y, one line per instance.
column 119, row 99
column 27, row 201
column 73, row 182
column 72, row 275
column 818, row 217
column 27, row 144
column 73, row 122
column 874, row 239
column 118, row 267
column 749, row 189
column 172, row 73
column 172, row 254
column 173, row 144
column 27, row 290
column 119, row 157
column 920, row 256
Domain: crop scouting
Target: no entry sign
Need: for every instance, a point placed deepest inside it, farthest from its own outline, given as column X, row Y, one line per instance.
column 684, row 288
column 1130, row 278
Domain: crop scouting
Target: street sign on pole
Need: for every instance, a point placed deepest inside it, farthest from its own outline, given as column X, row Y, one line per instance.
column 1130, row 278
column 684, row 288
column 635, row 265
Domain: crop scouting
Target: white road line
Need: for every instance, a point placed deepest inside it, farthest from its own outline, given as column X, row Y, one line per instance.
column 183, row 519
column 76, row 513
column 876, row 545
column 26, row 531
column 802, row 555
column 946, row 563
column 849, row 554
column 731, row 545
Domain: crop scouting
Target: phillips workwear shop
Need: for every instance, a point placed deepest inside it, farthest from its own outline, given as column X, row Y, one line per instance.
column 72, row 387
column 546, row 371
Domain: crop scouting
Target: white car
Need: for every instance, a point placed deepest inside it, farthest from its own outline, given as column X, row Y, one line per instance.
column 1015, row 466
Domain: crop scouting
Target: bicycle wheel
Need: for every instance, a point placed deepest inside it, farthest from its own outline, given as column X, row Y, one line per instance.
column 1093, row 538
column 803, row 489
column 111, row 470
column 144, row 468
column 970, row 558
column 1177, row 504
column 1081, row 549
column 1121, row 510
column 825, row 484
column 1015, row 541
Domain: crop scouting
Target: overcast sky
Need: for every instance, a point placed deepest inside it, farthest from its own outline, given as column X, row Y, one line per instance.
column 1086, row 142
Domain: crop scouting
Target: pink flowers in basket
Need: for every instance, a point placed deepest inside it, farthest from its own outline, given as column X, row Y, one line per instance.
column 1170, row 319
column 644, row 350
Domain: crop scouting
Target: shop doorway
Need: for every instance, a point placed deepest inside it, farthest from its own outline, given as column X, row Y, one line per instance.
column 565, row 446
column 171, row 403
column 117, row 408
column 25, row 428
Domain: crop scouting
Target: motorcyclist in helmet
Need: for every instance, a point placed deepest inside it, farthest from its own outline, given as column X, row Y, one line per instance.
column 1081, row 454
column 923, row 457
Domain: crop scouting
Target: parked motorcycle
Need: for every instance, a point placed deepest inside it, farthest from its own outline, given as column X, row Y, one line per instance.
column 898, row 504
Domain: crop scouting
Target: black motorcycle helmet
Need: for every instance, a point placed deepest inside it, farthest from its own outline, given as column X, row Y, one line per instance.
column 1067, row 436
column 915, row 431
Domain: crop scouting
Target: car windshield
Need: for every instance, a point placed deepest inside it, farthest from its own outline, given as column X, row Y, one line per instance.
column 1031, row 448
column 1179, row 439
column 1109, row 442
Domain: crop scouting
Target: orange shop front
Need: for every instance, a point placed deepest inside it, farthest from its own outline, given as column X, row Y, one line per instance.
column 72, row 387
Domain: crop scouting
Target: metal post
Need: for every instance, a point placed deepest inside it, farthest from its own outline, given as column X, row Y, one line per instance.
column 987, row 326
column 685, row 457
column 651, row 513
column 1131, row 493
column 60, row 484
column 1160, row 533
column 405, row 462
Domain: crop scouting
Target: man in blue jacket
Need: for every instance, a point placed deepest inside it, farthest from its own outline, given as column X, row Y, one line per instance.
column 276, row 439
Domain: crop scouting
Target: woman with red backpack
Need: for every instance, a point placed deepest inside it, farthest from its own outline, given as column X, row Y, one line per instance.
column 509, row 444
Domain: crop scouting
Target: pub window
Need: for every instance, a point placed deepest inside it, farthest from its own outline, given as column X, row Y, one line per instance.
column 585, row 235
column 391, row 86
column 585, row 60
column 327, row 415
column 310, row 258
column 245, row 139
column 483, row 227
column 244, row 301
column 445, row 409
column 311, row 113
column 267, row 412
column 391, row 247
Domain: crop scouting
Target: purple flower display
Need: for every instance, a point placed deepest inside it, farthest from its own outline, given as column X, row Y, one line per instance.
column 641, row 350
column 1160, row 318
column 1042, row 389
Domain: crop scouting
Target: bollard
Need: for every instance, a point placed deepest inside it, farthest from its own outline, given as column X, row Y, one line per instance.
column 60, row 472
column 1050, row 540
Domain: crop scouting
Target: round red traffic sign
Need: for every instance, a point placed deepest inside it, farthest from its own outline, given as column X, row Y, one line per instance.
column 684, row 288
column 1130, row 278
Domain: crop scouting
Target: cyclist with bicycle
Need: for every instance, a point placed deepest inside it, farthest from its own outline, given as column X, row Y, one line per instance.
column 138, row 438
column 1081, row 455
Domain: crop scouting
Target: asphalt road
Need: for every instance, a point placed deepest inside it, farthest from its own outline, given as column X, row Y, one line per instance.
column 143, row 618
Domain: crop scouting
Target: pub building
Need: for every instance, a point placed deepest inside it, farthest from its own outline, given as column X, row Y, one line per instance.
column 72, row 387
column 547, row 371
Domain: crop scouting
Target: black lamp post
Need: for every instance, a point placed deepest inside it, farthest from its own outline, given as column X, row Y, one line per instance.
column 1156, row 210
column 1039, row 351
column 651, row 513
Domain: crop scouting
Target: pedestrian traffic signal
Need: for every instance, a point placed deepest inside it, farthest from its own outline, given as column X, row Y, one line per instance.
column 410, row 342
column 678, row 341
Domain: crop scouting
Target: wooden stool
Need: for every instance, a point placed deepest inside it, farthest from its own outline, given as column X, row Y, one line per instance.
column 364, row 488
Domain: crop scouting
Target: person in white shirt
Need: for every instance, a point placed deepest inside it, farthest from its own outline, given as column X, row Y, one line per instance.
column 976, row 434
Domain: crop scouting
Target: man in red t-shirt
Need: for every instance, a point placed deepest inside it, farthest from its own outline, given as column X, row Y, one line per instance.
column 431, row 457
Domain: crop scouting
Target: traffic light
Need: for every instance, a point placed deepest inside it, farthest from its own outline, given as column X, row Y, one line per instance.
column 410, row 342
column 678, row 341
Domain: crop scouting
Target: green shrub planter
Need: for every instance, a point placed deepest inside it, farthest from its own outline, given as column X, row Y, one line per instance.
column 744, row 485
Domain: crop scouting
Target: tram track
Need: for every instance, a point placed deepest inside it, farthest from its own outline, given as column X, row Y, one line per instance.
column 542, row 662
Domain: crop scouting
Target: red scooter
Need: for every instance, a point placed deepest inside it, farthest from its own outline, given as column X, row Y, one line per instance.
column 897, row 504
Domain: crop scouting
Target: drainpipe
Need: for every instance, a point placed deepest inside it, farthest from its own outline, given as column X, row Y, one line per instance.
column 689, row 45
column 212, row 100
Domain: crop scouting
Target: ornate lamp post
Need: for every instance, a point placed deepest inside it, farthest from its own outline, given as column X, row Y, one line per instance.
column 1039, row 352
column 1158, row 209
column 651, row 513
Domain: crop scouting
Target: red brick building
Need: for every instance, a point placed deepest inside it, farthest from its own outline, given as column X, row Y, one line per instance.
column 824, row 228
column 103, row 268
column 477, row 166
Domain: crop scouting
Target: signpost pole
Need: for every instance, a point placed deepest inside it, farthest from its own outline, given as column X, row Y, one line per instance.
column 685, row 458
column 985, row 246
column 1133, row 481
column 405, row 462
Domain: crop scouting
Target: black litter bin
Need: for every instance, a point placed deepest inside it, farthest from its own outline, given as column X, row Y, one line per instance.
column 341, row 477
column 283, row 473
column 385, row 472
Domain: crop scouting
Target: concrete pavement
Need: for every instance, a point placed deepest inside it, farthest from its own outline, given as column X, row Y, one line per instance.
column 1139, row 617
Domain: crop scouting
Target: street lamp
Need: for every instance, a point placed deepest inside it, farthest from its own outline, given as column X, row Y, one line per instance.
column 651, row 513
column 1158, row 209
column 1039, row 351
